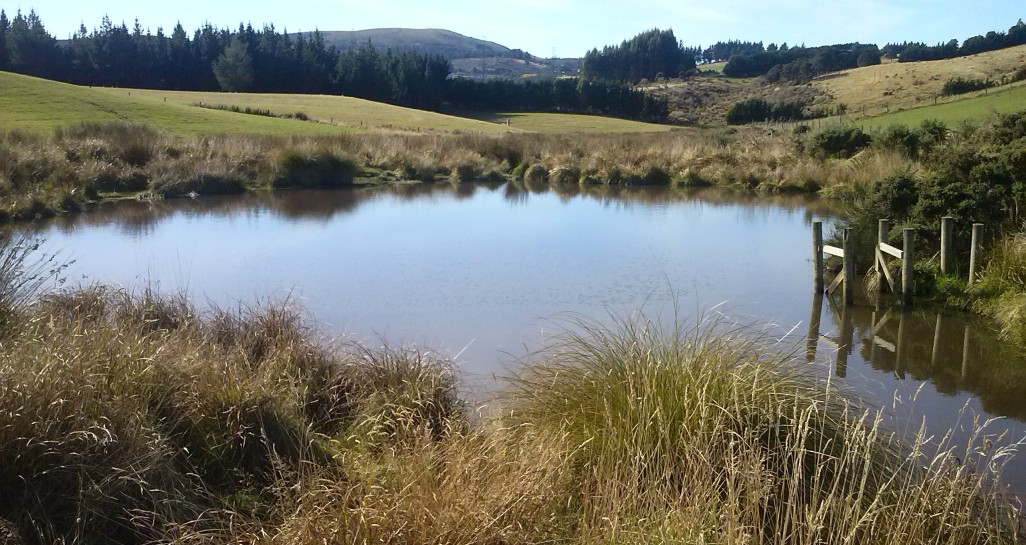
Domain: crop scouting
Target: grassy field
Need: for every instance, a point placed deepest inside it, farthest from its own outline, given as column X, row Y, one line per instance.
column 713, row 67
column 346, row 113
column 1006, row 100
column 890, row 86
column 556, row 123
column 41, row 105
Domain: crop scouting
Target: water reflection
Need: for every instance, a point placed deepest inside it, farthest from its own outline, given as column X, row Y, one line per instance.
column 138, row 218
column 952, row 351
column 474, row 272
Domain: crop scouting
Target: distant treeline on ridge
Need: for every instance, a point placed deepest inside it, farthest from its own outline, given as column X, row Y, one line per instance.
column 992, row 41
column 270, row 61
column 752, row 59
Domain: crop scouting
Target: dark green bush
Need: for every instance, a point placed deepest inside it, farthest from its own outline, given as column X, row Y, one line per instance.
column 754, row 110
column 656, row 176
column 960, row 86
column 321, row 169
column 901, row 138
column 839, row 142
column 749, row 111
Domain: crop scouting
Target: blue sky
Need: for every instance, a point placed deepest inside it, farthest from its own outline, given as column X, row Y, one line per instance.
column 567, row 27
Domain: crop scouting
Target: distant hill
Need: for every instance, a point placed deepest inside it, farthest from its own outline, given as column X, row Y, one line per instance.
column 887, row 88
column 508, row 67
column 429, row 41
column 893, row 86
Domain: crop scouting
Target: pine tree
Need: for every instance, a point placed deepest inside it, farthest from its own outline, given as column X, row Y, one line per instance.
column 234, row 68
column 30, row 50
column 4, row 25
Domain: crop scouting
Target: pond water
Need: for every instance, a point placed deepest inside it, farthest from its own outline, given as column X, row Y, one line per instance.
column 481, row 274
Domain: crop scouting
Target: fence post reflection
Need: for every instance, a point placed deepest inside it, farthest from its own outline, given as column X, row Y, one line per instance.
column 936, row 341
column 845, row 344
column 965, row 353
column 814, row 322
column 899, row 356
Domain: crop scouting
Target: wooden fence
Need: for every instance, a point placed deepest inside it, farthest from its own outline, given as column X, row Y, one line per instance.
column 846, row 278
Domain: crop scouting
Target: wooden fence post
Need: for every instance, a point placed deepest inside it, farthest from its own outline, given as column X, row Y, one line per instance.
column 883, row 234
column 945, row 253
column 817, row 257
column 849, row 268
column 974, row 252
column 907, row 260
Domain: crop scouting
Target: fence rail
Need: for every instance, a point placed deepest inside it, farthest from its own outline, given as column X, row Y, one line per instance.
column 902, row 285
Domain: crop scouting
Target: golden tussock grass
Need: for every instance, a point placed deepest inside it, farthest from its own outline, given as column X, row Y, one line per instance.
column 136, row 418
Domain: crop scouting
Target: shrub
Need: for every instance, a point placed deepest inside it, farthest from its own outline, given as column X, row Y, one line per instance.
column 754, row 110
column 960, row 86
column 839, row 142
column 565, row 176
column 296, row 169
column 901, row 138
column 749, row 111
column 934, row 132
column 536, row 174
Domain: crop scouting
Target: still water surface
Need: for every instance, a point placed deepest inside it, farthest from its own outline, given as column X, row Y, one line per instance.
column 481, row 274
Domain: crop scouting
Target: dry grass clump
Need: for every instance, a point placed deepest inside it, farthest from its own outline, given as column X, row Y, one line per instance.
column 133, row 419
column 698, row 435
column 1002, row 287
column 78, row 165
column 130, row 418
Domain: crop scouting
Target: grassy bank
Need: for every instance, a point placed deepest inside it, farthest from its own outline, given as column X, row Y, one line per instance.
column 972, row 173
column 67, row 170
column 135, row 418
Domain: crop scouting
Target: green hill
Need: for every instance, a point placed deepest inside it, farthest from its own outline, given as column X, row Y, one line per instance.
column 35, row 104
column 1006, row 100
column 892, row 86
column 427, row 41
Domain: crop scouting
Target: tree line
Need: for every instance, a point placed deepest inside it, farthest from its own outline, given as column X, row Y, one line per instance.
column 558, row 95
column 992, row 41
column 266, row 60
column 651, row 54
column 801, row 63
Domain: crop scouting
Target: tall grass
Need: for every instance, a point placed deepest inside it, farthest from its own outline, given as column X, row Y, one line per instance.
column 131, row 418
column 79, row 165
column 23, row 273
column 704, row 435
column 1001, row 290
column 128, row 419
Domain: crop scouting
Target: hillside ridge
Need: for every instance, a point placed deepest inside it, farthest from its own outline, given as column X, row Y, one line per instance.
column 430, row 41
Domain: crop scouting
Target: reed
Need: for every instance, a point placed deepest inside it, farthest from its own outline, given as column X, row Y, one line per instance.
column 135, row 418
column 704, row 434
column 79, row 165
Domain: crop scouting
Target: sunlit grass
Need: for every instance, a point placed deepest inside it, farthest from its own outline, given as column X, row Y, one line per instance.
column 39, row 105
column 981, row 105
column 128, row 418
column 895, row 86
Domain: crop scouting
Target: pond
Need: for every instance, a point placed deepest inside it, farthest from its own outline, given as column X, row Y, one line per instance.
column 481, row 274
